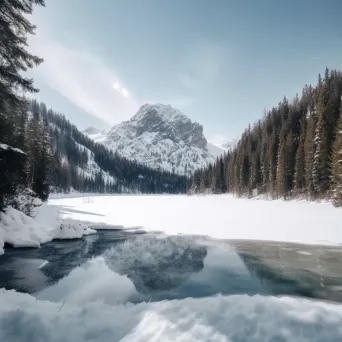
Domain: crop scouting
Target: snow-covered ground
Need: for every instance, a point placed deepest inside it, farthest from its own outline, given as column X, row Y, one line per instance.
column 221, row 216
column 20, row 230
column 218, row 319
column 81, row 308
column 217, row 216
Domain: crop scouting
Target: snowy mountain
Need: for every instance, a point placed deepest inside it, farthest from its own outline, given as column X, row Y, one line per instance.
column 160, row 136
column 84, row 165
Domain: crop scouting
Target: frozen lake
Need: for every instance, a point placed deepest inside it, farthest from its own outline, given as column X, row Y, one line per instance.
column 157, row 267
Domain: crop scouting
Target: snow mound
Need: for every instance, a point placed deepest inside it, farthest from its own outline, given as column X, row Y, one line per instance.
column 20, row 230
column 71, row 230
column 221, row 318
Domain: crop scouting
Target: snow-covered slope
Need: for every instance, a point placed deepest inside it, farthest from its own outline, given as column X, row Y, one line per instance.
column 159, row 136
column 91, row 168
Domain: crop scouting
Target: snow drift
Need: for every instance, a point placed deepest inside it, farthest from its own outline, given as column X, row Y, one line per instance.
column 220, row 318
column 20, row 230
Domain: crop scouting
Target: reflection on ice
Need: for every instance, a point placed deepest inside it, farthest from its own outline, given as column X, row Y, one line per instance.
column 93, row 281
column 155, row 263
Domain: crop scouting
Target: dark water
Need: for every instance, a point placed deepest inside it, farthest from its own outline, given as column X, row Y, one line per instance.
column 160, row 267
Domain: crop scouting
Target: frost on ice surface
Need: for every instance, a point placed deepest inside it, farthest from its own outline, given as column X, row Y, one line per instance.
column 220, row 318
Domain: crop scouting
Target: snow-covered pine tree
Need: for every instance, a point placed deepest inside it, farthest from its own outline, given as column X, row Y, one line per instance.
column 280, row 176
column 321, row 165
column 34, row 145
column 15, row 58
column 299, row 175
column 309, row 150
column 43, row 171
column 336, row 176
column 222, row 175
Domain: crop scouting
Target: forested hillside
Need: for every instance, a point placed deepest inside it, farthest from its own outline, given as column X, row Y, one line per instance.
column 84, row 165
column 295, row 150
column 43, row 151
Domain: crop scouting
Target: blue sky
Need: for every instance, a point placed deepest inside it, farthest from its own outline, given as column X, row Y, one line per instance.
column 221, row 62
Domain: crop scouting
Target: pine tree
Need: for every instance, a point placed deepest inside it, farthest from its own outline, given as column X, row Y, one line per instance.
column 337, row 166
column 34, row 146
column 321, row 166
column 272, row 159
column 45, row 160
column 299, row 176
column 14, row 28
column 281, row 175
column 215, row 186
column 289, row 162
column 222, row 176
column 309, row 151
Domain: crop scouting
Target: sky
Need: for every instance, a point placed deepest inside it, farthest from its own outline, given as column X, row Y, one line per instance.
column 221, row 62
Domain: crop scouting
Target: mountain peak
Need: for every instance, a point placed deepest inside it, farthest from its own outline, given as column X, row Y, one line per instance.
column 163, row 122
column 166, row 112
column 160, row 136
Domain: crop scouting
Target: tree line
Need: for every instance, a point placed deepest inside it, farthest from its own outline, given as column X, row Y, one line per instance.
column 295, row 150
column 18, row 153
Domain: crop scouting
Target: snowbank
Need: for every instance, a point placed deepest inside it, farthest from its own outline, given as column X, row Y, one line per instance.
column 220, row 318
column 71, row 230
column 20, row 230
column 217, row 216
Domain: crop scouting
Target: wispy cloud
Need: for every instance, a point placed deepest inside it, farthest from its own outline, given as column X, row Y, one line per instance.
column 85, row 80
